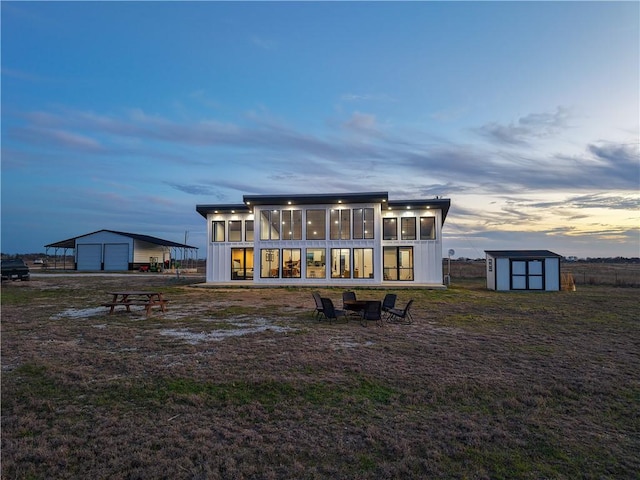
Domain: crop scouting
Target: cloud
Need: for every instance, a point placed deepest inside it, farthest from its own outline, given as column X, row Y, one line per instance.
column 262, row 143
column 527, row 128
column 21, row 75
column 449, row 115
column 614, row 202
column 361, row 121
column 61, row 138
column 192, row 189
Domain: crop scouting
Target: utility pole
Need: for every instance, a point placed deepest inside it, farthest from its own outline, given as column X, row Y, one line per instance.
column 184, row 249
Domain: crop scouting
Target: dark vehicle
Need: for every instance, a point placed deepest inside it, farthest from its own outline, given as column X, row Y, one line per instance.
column 14, row 270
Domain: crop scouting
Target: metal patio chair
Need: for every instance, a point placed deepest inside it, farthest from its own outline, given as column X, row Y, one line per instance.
column 318, row 313
column 372, row 312
column 388, row 303
column 349, row 297
column 401, row 315
column 330, row 312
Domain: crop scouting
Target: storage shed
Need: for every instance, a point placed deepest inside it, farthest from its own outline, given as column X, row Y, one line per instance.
column 109, row 250
column 523, row 270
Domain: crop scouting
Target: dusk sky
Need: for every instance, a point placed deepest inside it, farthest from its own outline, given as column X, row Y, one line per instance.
column 124, row 116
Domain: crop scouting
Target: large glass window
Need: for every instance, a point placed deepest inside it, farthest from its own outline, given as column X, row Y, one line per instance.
column 389, row 229
column 408, row 228
column 316, row 263
column 397, row 263
column 269, row 263
column 340, row 224
column 235, row 230
column 427, row 228
column 316, row 224
column 340, row 263
column 363, row 263
column 248, row 230
column 292, row 224
column 270, row 225
column 363, row 223
column 242, row 264
column 291, row 266
column 217, row 231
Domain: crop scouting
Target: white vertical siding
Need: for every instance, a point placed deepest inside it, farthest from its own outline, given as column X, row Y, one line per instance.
column 427, row 253
column 503, row 274
column 552, row 274
column 144, row 251
column 490, row 266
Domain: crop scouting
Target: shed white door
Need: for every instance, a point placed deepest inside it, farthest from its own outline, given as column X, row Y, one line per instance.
column 527, row 275
column 116, row 256
column 89, row 256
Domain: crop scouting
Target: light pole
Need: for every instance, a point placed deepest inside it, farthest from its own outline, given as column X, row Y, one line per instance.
column 448, row 278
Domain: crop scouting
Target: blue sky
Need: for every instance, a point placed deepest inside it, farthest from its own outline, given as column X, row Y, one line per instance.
column 125, row 115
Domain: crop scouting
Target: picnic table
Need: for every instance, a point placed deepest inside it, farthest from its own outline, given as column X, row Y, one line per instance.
column 135, row 297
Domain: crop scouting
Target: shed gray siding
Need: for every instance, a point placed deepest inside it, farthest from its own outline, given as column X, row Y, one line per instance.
column 523, row 270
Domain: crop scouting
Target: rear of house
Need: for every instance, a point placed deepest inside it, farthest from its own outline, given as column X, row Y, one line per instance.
column 349, row 238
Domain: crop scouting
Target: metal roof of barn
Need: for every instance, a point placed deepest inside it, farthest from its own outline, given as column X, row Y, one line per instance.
column 71, row 242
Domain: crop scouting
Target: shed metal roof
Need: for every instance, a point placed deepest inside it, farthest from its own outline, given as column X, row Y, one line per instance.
column 522, row 253
column 71, row 242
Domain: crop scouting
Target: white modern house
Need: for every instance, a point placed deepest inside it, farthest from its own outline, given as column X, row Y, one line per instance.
column 326, row 239
column 523, row 270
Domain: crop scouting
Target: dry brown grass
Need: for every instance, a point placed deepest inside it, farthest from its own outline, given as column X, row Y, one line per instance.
column 243, row 383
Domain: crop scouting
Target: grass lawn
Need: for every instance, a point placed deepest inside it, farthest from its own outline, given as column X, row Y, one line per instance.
column 245, row 384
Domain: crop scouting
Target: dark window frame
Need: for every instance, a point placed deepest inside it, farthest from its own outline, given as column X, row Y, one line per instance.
column 399, row 269
column 291, row 226
column 432, row 221
column 221, row 224
column 237, row 231
column 388, row 220
column 404, row 235
column 340, row 224
column 248, row 229
column 321, row 229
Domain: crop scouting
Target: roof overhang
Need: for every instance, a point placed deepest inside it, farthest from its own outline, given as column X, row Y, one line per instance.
column 435, row 203
column 312, row 199
column 205, row 210
column 324, row 199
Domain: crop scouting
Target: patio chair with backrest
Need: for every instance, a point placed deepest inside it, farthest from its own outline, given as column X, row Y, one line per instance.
column 319, row 311
column 389, row 302
column 349, row 297
column 330, row 312
column 402, row 315
column 372, row 311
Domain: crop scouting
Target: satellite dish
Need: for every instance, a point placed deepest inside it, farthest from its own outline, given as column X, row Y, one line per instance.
column 452, row 252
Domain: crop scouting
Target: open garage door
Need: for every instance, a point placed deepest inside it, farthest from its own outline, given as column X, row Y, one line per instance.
column 116, row 256
column 89, row 256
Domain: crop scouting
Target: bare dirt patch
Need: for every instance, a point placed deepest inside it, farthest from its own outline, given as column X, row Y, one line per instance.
column 244, row 383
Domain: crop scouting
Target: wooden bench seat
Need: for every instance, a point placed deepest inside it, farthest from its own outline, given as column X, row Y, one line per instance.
column 144, row 303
